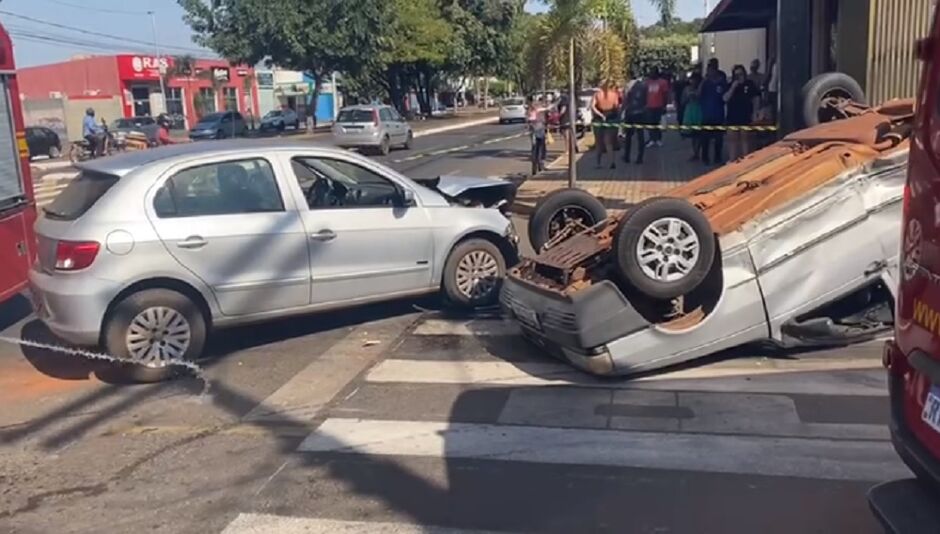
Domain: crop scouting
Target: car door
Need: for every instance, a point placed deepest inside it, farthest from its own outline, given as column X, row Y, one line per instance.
column 390, row 126
column 400, row 121
column 226, row 222
column 239, row 124
column 364, row 242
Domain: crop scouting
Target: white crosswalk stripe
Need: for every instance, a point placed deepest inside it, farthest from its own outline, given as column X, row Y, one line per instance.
column 750, row 416
column 47, row 186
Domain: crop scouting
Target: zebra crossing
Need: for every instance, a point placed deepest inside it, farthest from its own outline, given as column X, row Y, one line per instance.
column 461, row 426
column 50, row 177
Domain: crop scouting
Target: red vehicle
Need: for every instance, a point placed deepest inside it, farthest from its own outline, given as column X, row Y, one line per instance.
column 17, row 204
column 913, row 357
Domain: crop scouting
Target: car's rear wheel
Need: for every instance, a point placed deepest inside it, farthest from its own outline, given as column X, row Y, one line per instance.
column 154, row 330
column 825, row 90
column 385, row 146
column 408, row 140
column 54, row 152
column 664, row 247
column 556, row 210
column 474, row 273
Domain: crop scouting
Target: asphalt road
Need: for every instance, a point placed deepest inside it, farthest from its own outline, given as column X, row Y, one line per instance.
column 401, row 417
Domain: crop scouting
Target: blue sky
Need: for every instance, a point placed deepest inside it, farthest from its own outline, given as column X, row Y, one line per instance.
column 128, row 24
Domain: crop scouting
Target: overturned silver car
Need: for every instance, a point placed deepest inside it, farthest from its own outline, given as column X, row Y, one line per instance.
column 796, row 244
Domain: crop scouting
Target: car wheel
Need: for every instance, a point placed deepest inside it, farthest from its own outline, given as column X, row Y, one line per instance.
column 54, row 152
column 297, row 125
column 220, row 134
column 830, row 86
column 153, row 327
column 281, row 126
column 408, row 139
column 502, row 121
column 474, row 273
column 664, row 247
column 385, row 147
column 558, row 209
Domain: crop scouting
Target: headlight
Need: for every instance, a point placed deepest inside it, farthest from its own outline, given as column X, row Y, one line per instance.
column 511, row 234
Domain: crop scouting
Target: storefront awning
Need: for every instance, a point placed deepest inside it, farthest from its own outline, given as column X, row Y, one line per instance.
column 740, row 15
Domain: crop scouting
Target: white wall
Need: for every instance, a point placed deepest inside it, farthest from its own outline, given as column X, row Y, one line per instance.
column 732, row 48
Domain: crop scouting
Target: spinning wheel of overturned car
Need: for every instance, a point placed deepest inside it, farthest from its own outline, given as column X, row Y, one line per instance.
column 559, row 209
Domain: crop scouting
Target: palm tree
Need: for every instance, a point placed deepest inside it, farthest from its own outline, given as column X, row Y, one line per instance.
column 667, row 10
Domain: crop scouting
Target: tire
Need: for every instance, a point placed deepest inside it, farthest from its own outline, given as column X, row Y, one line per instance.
column 547, row 218
column 408, row 139
column 54, row 152
column 385, row 147
column 119, row 325
column 281, row 126
column 502, row 121
column 676, row 220
column 826, row 85
column 296, row 125
column 467, row 256
column 220, row 134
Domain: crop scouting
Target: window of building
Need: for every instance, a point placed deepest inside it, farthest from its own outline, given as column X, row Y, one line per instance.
column 225, row 188
column 230, row 95
column 204, row 101
column 174, row 107
column 141, row 97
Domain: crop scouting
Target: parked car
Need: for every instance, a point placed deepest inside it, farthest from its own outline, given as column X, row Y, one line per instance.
column 123, row 127
column 585, row 115
column 280, row 119
column 219, row 126
column 373, row 127
column 512, row 109
column 146, row 252
column 795, row 244
column 43, row 142
column 913, row 356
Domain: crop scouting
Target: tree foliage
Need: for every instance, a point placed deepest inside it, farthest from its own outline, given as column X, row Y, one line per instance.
column 668, row 54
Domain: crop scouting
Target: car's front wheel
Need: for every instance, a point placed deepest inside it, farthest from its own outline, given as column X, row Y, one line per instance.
column 473, row 274
column 54, row 152
column 154, row 330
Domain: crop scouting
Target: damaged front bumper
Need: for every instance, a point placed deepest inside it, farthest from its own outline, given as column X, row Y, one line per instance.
column 574, row 328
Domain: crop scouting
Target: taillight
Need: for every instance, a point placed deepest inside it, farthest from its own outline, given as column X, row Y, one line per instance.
column 75, row 255
column 375, row 117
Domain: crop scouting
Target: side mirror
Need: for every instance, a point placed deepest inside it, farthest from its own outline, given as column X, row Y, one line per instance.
column 408, row 198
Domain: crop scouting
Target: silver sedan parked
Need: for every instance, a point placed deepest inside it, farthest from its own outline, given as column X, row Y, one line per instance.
column 371, row 127
column 144, row 252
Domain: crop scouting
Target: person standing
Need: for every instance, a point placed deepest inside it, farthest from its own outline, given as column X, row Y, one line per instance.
column 537, row 132
column 606, row 108
column 657, row 94
column 678, row 91
column 770, row 88
column 743, row 100
column 634, row 112
column 755, row 75
column 92, row 132
column 564, row 121
column 712, row 102
column 692, row 110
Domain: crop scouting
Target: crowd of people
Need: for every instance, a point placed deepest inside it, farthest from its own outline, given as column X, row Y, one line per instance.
column 700, row 99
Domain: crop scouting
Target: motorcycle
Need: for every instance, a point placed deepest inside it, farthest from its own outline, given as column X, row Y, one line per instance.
column 83, row 151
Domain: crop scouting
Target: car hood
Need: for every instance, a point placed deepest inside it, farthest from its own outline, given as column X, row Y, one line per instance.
column 473, row 190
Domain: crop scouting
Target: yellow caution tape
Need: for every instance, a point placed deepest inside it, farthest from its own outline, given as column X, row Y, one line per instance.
column 699, row 127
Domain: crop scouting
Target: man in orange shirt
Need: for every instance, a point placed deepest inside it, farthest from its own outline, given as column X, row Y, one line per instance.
column 657, row 94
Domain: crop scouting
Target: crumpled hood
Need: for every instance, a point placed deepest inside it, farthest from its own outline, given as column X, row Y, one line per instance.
column 473, row 190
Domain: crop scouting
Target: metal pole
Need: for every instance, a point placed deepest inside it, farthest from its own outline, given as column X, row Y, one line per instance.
column 572, row 117
column 156, row 50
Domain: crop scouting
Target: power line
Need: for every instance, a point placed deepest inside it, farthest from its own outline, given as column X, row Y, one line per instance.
column 63, row 44
column 97, row 9
column 98, row 34
column 31, row 33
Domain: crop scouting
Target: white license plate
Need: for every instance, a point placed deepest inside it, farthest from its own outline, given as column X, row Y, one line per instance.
column 528, row 316
column 931, row 413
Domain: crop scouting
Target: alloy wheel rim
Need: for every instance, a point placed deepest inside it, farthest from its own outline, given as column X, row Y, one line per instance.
column 158, row 335
column 477, row 274
column 668, row 249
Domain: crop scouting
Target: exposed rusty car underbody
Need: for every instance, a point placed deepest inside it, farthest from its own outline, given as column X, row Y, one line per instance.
column 830, row 190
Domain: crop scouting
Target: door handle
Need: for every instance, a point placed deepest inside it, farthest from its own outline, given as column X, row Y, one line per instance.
column 323, row 235
column 192, row 242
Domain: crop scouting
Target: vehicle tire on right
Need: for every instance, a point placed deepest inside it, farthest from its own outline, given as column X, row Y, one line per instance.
column 54, row 152
column 664, row 247
column 554, row 210
column 154, row 325
column 473, row 273
column 385, row 146
column 828, row 85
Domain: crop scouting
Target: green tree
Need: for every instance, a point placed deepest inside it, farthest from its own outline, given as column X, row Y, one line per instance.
column 667, row 10
column 315, row 36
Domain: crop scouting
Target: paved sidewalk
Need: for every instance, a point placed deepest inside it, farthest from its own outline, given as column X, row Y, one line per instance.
column 663, row 168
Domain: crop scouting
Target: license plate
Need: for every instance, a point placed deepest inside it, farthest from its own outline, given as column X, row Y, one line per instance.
column 931, row 413
column 528, row 317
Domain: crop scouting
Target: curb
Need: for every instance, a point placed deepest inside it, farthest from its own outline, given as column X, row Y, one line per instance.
column 452, row 127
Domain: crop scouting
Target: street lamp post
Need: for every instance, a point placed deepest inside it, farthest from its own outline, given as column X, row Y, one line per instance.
column 572, row 117
column 156, row 51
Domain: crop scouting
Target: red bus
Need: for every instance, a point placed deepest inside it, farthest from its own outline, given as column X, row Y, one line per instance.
column 17, row 203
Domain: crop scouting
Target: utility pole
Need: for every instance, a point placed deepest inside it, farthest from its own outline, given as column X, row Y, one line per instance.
column 572, row 117
column 156, row 51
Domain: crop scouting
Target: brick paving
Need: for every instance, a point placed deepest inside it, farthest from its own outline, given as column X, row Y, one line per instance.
column 663, row 168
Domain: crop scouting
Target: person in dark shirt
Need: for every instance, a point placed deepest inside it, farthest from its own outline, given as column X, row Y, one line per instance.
column 711, row 100
column 743, row 99
column 634, row 112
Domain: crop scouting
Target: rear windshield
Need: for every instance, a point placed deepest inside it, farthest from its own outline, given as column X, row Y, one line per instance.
column 80, row 195
column 513, row 102
column 355, row 115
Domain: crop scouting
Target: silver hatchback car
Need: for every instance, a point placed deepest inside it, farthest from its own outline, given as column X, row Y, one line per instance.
column 374, row 127
column 143, row 252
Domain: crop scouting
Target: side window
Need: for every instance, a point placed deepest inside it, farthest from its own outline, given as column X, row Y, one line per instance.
column 224, row 188
column 385, row 115
column 227, row 117
column 395, row 115
column 335, row 184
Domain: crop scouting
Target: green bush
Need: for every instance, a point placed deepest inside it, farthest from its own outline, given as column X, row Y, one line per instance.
column 672, row 53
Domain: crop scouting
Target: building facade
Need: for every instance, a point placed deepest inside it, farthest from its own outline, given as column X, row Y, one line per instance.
column 133, row 82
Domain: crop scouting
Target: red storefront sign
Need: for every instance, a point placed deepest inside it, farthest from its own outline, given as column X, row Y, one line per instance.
column 146, row 68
